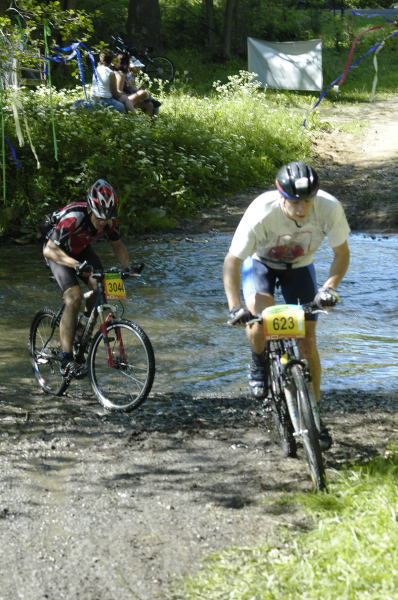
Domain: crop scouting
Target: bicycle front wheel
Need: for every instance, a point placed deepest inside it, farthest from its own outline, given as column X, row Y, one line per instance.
column 160, row 67
column 309, row 432
column 280, row 414
column 46, row 352
column 121, row 367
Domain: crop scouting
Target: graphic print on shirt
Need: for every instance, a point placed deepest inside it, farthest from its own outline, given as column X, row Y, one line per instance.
column 289, row 247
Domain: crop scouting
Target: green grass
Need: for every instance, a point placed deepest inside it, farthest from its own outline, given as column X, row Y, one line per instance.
column 197, row 151
column 351, row 553
column 207, row 144
column 337, row 36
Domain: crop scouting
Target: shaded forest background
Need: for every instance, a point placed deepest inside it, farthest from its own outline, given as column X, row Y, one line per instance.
column 217, row 133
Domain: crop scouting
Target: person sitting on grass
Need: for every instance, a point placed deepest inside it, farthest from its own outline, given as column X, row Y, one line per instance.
column 139, row 95
column 104, row 86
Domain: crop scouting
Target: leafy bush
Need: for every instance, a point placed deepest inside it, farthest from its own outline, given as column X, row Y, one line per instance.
column 195, row 152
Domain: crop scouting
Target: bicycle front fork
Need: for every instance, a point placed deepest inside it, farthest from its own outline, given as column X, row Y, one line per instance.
column 311, row 395
column 121, row 359
column 292, row 403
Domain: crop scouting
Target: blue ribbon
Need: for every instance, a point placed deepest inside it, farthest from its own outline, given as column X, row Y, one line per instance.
column 74, row 50
column 13, row 152
column 327, row 88
column 358, row 14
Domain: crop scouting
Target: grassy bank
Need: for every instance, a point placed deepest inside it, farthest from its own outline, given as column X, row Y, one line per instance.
column 197, row 151
column 351, row 552
column 215, row 136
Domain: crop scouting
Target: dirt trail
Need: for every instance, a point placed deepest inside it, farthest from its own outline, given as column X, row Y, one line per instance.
column 361, row 168
column 97, row 506
column 359, row 165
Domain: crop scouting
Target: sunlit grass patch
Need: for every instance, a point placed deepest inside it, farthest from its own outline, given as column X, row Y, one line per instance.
column 351, row 552
column 194, row 154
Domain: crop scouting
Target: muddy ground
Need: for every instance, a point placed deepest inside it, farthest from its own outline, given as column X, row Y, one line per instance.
column 99, row 506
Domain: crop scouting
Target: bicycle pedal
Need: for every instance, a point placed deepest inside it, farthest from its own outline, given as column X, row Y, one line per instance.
column 300, row 433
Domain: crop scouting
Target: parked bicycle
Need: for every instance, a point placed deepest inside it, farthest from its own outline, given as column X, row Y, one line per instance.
column 118, row 356
column 290, row 397
column 155, row 67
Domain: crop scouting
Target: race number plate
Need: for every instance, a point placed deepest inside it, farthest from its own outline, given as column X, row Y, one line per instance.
column 283, row 321
column 114, row 287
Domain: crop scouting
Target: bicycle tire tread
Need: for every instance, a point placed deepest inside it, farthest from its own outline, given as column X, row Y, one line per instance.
column 136, row 402
column 310, row 438
column 43, row 313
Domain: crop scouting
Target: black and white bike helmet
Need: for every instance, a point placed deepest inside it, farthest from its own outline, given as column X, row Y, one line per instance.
column 297, row 181
column 102, row 199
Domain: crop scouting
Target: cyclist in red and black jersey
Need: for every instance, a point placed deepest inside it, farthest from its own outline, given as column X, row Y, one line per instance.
column 68, row 253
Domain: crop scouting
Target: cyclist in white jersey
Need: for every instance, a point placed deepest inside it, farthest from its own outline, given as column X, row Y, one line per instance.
column 274, row 244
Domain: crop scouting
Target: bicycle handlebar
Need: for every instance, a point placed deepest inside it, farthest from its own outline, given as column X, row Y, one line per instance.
column 124, row 273
column 310, row 308
column 123, row 46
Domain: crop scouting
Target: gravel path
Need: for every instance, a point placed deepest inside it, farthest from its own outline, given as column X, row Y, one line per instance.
column 101, row 506
column 98, row 506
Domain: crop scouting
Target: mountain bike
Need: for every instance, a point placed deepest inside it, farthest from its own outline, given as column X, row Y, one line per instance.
column 118, row 356
column 156, row 67
column 290, row 399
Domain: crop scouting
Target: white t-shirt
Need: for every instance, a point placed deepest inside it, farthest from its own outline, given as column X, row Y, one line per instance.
column 102, row 88
column 266, row 233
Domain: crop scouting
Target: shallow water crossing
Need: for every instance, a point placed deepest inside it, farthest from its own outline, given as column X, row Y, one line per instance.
column 180, row 303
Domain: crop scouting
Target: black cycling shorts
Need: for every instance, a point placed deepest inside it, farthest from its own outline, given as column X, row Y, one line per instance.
column 66, row 276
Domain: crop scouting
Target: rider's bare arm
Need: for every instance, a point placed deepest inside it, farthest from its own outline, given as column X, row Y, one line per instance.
column 339, row 266
column 53, row 252
column 113, row 84
column 121, row 253
column 231, row 276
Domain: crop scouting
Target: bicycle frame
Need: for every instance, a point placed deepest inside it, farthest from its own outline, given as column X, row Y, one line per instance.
column 291, row 399
column 100, row 307
column 104, row 328
column 117, row 357
column 287, row 347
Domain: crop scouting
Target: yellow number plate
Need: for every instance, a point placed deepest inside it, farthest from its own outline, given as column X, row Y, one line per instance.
column 283, row 321
column 114, row 287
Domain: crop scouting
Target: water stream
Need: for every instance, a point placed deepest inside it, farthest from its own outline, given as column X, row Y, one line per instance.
column 181, row 305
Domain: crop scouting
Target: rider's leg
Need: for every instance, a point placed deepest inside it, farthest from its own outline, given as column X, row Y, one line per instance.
column 258, row 288
column 92, row 259
column 90, row 299
column 258, row 284
column 67, row 326
column 255, row 332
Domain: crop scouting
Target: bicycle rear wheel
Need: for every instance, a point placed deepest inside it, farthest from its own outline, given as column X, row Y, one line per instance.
column 309, row 432
column 124, row 384
column 46, row 352
column 280, row 414
column 160, row 67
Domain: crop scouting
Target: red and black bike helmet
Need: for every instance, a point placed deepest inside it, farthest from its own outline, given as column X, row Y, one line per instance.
column 297, row 181
column 102, row 199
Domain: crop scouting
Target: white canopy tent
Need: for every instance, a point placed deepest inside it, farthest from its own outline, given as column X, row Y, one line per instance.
column 286, row 65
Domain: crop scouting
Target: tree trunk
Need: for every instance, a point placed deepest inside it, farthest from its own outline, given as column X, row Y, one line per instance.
column 143, row 24
column 210, row 25
column 4, row 4
column 69, row 4
column 228, row 27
